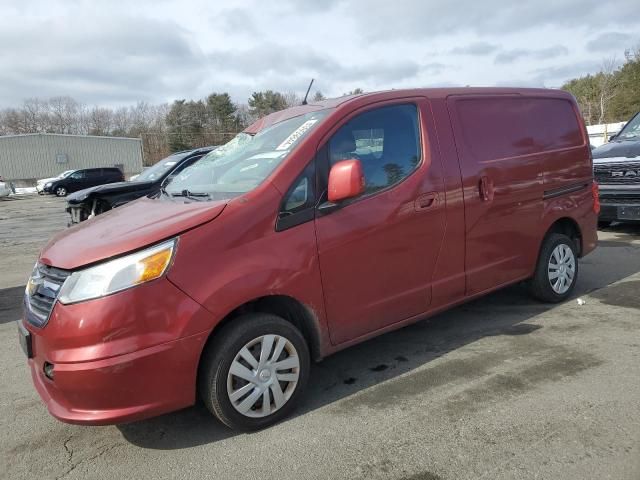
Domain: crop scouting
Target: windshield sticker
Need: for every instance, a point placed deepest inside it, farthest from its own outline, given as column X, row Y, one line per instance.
column 266, row 155
column 291, row 139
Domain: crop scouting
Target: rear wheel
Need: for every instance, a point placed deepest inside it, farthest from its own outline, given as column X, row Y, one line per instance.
column 557, row 269
column 254, row 372
column 61, row 191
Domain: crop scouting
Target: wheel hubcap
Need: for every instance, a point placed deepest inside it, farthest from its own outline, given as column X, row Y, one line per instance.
column 562, row 268
column 263, row 376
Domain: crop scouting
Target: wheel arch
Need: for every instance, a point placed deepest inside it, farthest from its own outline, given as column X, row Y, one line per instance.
column 285, row 307
column 566, row 226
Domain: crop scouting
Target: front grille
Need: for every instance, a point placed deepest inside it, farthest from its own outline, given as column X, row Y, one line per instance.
column 618, row 173
column 42, row 292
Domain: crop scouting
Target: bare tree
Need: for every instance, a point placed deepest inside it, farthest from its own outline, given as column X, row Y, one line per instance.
column 607, row 87
column 121, row 122
column 292, row 99
column 15, row 122
column 35, row 113
column 100, row 121
column 64, row 112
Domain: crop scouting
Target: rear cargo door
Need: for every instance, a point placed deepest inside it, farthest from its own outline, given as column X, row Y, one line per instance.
column 502, row 173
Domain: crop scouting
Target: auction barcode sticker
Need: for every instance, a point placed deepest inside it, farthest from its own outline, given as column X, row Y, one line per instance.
column 291, row 139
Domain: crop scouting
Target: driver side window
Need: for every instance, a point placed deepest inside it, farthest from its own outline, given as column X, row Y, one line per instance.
column 386, row 140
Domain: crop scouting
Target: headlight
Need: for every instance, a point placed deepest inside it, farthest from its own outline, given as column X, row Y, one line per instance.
column 48, row 184
column 118, row 274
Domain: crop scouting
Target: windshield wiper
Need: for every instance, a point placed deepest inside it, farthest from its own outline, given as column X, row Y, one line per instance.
column 188, row 194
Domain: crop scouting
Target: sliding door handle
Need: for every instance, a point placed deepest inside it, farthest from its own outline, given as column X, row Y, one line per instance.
column 486, row 188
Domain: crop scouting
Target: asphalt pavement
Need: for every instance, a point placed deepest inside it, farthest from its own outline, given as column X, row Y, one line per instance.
column 500, row 388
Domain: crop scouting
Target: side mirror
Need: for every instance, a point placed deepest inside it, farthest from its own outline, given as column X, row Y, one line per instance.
column 346, row 180
column 612, row 137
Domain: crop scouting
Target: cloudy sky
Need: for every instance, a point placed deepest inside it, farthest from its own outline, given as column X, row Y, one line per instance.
column 119, row 52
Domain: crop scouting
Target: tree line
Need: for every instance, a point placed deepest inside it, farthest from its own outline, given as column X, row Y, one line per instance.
column 163, row 128
column 612, row 94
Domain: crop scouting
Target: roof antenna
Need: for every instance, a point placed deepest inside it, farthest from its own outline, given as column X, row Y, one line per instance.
column 304, row 102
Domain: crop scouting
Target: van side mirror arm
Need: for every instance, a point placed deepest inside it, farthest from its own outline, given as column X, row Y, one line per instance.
column 327, row 207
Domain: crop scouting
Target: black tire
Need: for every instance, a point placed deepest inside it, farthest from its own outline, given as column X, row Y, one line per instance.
column 220, row 353
column 61, row 192
column 540, row 284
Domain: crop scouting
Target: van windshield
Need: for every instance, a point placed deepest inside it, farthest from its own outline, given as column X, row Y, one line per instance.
column 243, row 163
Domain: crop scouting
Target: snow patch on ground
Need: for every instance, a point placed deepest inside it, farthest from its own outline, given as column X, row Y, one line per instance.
column 26, row 191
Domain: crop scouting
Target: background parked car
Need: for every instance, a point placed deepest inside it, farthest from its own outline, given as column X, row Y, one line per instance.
column 42, row 182
column 89, row 202
column 80, row 179
column 617, row 170
column 5, row 189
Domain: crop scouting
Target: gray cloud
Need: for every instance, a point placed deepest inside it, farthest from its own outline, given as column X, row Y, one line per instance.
column 610, row 41
column 306, row 6
column 434, row 68
column 133, row 59
column 511, row 56
column 273, row 59
column 478, row 48
column 555, row 76
column 235, row 21
column 121, row 52
column 410, row 19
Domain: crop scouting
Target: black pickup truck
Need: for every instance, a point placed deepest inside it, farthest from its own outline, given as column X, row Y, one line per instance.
column 90, row 202
column 616, row 167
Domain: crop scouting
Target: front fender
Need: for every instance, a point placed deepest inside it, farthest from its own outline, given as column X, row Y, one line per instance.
column 232, row 261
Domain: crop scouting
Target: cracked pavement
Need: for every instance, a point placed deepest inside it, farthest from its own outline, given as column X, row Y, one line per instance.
column 499, row 388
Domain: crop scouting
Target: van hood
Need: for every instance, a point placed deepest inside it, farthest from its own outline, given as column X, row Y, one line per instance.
column 618, row 149
column 131, row 227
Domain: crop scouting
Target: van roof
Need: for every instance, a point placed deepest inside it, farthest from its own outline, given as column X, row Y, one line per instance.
column 433, row 93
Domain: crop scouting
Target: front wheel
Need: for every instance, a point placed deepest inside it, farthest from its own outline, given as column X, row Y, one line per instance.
column 254, row 371
column 61, row 192
column 557, row 269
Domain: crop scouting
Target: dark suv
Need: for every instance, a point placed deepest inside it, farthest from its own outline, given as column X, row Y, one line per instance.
column 617, row 170
column 80, row 179
column 93, row 201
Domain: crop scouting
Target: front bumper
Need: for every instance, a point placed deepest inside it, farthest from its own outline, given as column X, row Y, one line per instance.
column 124, row 388
column 620, row 204
column 128, row 356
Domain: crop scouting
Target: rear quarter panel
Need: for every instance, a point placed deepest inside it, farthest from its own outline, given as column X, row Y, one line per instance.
column 570, row 168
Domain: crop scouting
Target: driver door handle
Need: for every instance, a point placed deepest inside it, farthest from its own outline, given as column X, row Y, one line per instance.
column 426, row 201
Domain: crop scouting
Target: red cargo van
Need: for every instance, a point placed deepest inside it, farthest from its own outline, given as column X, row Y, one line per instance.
column 335, row 222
